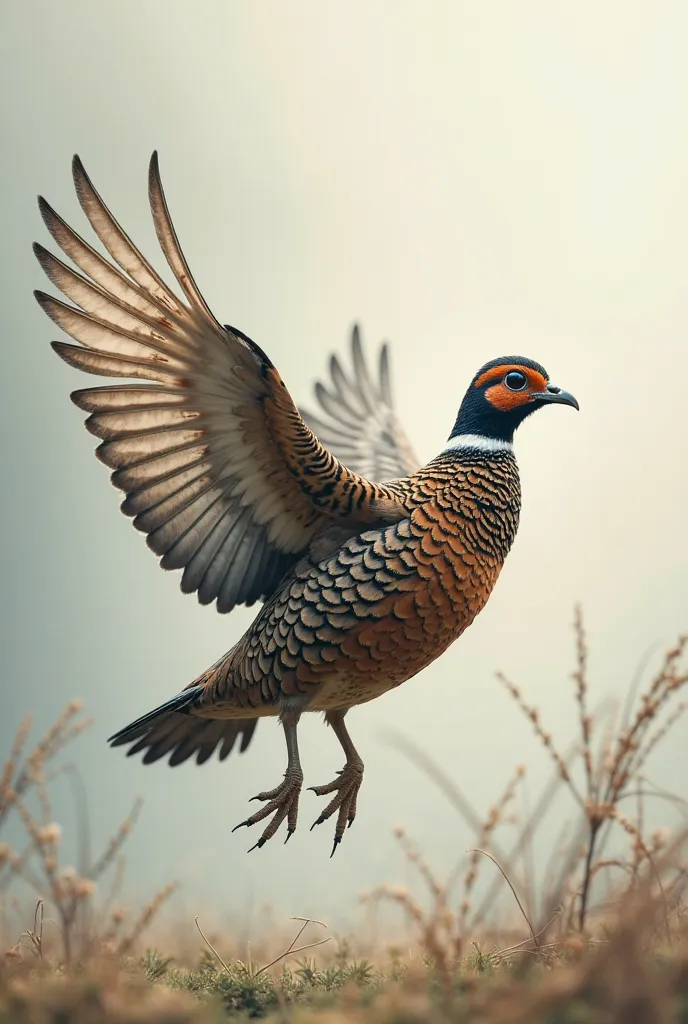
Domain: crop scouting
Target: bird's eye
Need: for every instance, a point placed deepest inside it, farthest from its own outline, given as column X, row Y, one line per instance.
column 515, row 381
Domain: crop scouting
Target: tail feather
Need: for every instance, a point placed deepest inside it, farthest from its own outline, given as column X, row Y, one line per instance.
column 170, row 729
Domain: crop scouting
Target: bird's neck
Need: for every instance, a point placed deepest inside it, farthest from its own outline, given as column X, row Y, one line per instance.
column 475, row 447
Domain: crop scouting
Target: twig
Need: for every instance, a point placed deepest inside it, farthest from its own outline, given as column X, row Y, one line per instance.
column 299, row 949
column 36, row 934
column 637, row 679
column 210, row 946
column 518, row 945
column 509, row 883
column 290, row 948
column 528, row 830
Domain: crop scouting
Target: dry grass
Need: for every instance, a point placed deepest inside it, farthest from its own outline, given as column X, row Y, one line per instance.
column 602, row 937
column 83, row 926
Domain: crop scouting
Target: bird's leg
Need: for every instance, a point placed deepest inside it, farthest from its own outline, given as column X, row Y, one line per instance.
column 283, row 801
column 347, row 784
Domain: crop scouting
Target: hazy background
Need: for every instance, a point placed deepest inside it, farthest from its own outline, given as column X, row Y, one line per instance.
column 466, row 179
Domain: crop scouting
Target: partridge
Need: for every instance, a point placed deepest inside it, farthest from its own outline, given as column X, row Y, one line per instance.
column 369, row 565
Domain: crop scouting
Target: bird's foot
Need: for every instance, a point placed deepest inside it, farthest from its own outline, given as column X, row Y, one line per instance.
column 345, row 788
column 283, row 802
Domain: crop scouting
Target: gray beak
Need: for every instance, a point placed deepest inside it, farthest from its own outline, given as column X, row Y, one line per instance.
column 555, row 394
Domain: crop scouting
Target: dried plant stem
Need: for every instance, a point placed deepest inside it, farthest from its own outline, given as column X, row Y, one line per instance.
column 146, row 916
column 291, row 949
column 211, row 947
column 298, row 949
column 518, row 945
column 494, row 816
column 533, row 716
column 593, row 833
column 511, row 886
column 580, row 677
column 113, row 847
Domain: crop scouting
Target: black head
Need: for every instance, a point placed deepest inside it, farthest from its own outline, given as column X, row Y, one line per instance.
column 501, row 395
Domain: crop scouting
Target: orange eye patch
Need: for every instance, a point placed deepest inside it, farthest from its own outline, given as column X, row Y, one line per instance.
column 502, row 397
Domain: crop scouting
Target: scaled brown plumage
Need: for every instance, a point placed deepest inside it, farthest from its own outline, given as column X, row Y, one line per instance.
column 365, row 581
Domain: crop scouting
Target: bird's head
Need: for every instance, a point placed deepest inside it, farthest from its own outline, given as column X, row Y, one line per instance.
column 501, row 395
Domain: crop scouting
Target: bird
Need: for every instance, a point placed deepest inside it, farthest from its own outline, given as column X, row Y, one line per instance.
column 367, row 563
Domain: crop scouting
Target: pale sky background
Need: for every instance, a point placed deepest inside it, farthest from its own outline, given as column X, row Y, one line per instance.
column 466, row 179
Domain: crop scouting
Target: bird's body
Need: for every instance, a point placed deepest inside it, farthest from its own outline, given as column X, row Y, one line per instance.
column 365, row 582
column 344, row 628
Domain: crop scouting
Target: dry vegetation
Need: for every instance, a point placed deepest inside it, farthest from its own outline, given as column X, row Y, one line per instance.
column 602, row 936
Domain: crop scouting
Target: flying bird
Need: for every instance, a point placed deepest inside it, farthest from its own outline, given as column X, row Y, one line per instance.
column 369, row 564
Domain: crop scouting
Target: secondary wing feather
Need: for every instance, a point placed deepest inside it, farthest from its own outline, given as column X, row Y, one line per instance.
column 360, row 426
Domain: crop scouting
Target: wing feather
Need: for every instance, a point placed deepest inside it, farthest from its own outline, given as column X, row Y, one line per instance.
column 85, row 257
column 218, row 467
column 360, row 426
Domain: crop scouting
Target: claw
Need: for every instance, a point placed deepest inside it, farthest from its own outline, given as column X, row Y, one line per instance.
column 282, row 802
column 345, row 788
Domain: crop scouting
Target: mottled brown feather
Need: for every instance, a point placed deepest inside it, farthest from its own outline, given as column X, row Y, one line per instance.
column 345, row 628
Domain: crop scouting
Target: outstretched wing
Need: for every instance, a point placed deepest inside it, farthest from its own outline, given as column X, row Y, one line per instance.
column 360, row 426
column 218, row 467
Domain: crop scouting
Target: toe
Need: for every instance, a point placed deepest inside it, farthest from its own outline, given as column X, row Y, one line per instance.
column 283, row 802
column 345, row 789
column 331, row 787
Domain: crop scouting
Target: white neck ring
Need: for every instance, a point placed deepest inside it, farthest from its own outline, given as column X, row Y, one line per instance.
column 477, row 442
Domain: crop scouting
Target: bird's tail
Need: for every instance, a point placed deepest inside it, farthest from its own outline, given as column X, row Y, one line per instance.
column 170, row 729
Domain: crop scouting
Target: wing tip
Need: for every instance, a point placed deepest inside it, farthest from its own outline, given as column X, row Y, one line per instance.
column 154, row 179
column 78, row 169
column 51, row 218
column 41, row 297
column 83, row 186
column 67, row 353
column 44, row 257
column 44, row 207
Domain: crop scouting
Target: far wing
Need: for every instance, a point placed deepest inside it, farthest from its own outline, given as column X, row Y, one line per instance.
column 357, row 421
column 218, row 467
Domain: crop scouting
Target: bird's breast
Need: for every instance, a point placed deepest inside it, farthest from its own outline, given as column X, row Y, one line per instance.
column 381, row 607
column 421, row 583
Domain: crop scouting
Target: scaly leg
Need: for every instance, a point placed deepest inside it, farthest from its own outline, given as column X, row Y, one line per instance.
column 346, row 786
column 283, row 801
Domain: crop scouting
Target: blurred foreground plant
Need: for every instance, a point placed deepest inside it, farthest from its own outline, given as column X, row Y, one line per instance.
column 628, row 963
column 84, row 927
column 612, row 770
column 602, row 769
